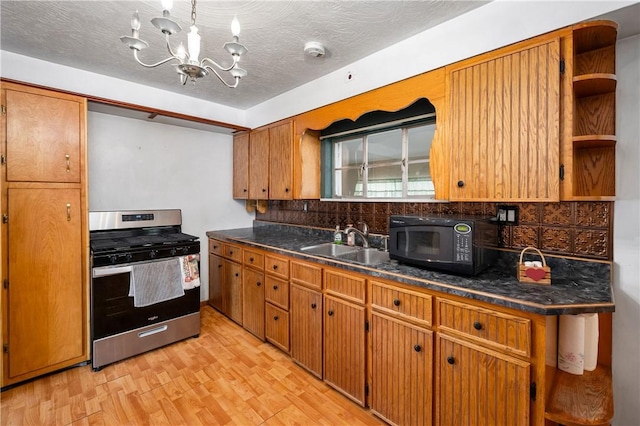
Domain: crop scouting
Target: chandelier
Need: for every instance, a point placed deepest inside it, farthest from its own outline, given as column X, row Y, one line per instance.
column 188, row 66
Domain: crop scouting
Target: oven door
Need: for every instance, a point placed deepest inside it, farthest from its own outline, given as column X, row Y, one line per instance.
column 113, row 311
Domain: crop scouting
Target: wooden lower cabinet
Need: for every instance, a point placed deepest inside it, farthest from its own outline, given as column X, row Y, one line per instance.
column 344, row 347
column 253, row 302
column 232, row 291
column 216, row 275
column 306, row 328
column 401, row 368
column 276, row 322
column 46, row 294
column 479, row 386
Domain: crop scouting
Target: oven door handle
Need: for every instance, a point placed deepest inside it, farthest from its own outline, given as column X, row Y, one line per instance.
column 106, row 271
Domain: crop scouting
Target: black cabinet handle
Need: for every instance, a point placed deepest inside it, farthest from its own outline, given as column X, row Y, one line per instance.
column 237, row 274
column 215, row 247
column 417, row 348
column 230, row 252
column 396, row 302
column 451, row 360
column 460, row 183
column 258, row 283
column 286, row 190
column 275, row 267
column 477, row 325
column 219, row 266
column 244, row 190
column 275, row 318
column 264, row 190
column 313, row 306
column 330, row 313
column 251, row 259
column 275, row 287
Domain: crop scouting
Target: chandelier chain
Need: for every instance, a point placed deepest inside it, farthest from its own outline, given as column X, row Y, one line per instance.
column 193, row 12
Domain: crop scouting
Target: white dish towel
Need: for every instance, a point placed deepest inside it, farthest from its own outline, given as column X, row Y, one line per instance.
column 190, row 271
column 578, row 343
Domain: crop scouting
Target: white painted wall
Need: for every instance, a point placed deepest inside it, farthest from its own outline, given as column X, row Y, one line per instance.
column 626, row 244
column 134, row 164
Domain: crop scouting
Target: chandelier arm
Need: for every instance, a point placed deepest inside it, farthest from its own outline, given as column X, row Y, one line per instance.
column 164, row 61
column 171, row 52
column 220, row 67
column 232, row 86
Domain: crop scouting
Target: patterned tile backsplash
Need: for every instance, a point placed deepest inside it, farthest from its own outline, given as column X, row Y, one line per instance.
column 582, row 229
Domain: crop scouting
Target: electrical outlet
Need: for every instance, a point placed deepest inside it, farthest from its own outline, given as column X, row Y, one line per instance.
column 507, row 215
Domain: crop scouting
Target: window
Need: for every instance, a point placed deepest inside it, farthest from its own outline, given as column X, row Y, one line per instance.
column 382, row 161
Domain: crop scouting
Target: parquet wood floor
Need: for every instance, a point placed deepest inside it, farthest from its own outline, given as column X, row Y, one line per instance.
column 224, row 377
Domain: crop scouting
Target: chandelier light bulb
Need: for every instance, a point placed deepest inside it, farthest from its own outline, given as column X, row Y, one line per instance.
column 193, row 43
column 182, row 54
column 167, row 5
column 235, row 27
column 135, row 21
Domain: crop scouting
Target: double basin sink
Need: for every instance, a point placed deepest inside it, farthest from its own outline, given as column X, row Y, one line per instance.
column 362, row 255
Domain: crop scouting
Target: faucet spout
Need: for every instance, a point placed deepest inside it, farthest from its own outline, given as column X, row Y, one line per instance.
column 364, row 234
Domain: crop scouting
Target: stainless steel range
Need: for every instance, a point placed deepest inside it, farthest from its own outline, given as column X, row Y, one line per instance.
column 145, row 286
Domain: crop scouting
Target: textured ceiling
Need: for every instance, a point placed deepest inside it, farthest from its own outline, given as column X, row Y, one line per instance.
column 85, row 35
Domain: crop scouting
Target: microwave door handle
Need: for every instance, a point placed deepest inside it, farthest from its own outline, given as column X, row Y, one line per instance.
column 109, row 270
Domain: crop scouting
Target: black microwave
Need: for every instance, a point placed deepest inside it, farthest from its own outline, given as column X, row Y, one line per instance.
column 457, row 244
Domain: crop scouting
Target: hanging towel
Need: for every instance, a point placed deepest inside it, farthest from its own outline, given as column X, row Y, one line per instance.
column 155, row 282
column 578, row 343
column 190, row 271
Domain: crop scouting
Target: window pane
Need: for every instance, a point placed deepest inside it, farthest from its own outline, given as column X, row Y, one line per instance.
column 348, row 183
column 349, row 153
column 385, row 182
column 420, row 141
column 419, row 182
column 384, row 147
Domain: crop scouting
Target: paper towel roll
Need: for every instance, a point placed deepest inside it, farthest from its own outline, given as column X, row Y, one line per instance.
column 591, row 335
column 571, row 344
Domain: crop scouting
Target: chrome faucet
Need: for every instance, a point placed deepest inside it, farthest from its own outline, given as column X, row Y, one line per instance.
column 364, row 234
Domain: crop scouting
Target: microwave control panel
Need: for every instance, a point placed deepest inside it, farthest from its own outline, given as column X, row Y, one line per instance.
column 462, row 243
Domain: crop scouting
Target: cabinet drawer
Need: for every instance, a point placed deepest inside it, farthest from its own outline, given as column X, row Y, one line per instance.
column 253, row 258
column 278, row 266
column 306, row 274
column 276, row 291
column 215, row 247
column 348, row 286
column 232, row 252
column 505, row 332
column 406, row 304
column 277, row 326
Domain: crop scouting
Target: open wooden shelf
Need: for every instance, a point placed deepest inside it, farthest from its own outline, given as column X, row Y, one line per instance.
column 594, row 35
column 594, row 141
column 581, row 400
column 594, row 84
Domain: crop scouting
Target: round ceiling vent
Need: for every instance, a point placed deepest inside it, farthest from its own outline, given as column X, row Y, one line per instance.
column 315, row 49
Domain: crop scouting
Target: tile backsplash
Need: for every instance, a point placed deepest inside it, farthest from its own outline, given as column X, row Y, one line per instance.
column 582, row 229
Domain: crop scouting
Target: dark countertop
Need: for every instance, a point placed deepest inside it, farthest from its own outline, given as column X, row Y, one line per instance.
column 577, row 286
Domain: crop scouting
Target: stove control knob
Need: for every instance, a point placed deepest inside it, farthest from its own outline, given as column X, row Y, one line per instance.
column 185, row 250
column 112, row 258
column 128, row 257
column 173, row 251
column 153, row 253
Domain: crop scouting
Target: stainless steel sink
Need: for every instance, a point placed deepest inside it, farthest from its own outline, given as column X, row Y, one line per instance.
column 329, row 249
column 366, row 256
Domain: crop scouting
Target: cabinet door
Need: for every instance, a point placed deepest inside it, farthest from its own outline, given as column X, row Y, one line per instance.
column 479, row 386
column 277, row 326
column 505, row 137
column 216, row 298
column 253, row 302
column 344, row 347
column 281, row 162
column 241, row 166
column 232, row 290
column 306, row 328
column 43, row 138
column 259, row 165
column 401, row 366
column 47, row 309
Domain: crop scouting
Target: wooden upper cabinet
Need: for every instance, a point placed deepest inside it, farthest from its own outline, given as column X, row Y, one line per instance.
column 504, row 124
column 259, row 165
column 44, row 134
column 281, row 161
column 241, row 166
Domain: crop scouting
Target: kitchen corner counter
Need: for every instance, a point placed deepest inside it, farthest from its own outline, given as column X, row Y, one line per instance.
column 577, row 286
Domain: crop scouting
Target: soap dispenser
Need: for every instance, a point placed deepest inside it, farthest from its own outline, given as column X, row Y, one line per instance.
column 337, row 236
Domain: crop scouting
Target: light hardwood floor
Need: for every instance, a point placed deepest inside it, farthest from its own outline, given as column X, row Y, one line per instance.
column 224, row 377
